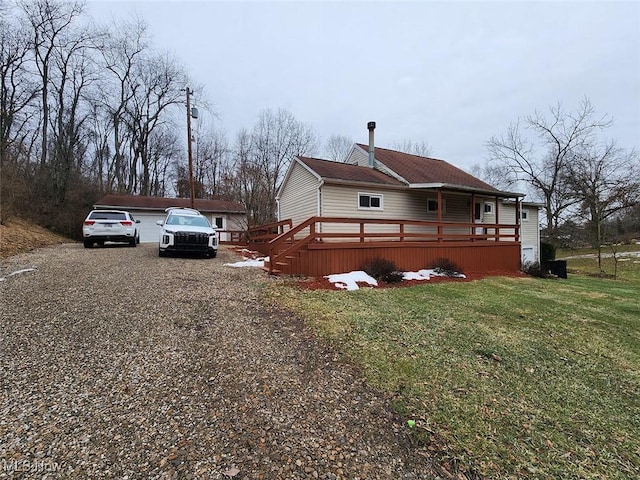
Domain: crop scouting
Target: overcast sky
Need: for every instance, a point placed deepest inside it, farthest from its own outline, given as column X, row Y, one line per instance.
column 449, row 73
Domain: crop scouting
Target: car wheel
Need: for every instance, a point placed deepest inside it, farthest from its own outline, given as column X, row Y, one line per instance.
column 132, row 242
column 213, row 254
column 162, row 253
column 88, row 244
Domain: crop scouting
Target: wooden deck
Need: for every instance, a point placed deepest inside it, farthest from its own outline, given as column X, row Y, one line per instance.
column 322, row 246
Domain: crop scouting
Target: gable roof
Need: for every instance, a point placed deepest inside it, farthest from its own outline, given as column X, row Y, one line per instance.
column 335, row 171
column 417, row 170
column 136, row 202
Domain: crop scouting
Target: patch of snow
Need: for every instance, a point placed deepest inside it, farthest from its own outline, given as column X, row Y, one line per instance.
column 428, row 273
column 17, row 272
column 249, row 262
column 419, row 275
column 349, row 281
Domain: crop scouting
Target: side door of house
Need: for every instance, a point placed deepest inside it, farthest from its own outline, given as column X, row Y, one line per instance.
column 478, row 217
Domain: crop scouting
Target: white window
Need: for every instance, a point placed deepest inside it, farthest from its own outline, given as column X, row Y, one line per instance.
column 432, row 205
column 218, row 222
column 488, row 208
column 369, row 201
column 524, row 215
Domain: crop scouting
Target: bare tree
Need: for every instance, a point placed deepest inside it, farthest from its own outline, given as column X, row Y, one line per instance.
column 122, row 51
column 17, row 90
column 161, row 80
column 605, row 181
column 48, row 21
column 277, row 137
column 420, row 148
column 495, row 175
column 338, row 147
column 211, row 156
column 536, row 150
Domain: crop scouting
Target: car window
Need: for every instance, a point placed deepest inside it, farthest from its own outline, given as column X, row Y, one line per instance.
column 188, row 220
column 108, row 216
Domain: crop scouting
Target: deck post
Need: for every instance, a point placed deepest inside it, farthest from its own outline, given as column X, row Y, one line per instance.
column 440, row 236
column 517, row 232
column 473, row 217
column 497, row 222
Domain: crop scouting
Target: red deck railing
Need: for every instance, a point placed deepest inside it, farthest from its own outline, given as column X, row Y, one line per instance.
column 340, row 233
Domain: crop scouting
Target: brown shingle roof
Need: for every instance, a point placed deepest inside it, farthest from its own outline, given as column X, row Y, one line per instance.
column 160, row 203
column 329, row 170
column 418, row 170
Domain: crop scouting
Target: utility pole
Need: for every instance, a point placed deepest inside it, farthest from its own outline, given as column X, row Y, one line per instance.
column 191, row 185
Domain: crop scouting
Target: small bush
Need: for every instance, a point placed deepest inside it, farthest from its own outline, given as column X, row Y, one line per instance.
column 446, row 267
column 392, row 277
column 547, row 252
column 379, row 267
column 534, row 269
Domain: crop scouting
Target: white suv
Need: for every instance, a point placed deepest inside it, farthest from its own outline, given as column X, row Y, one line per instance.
column 187, row 230
column 110, row 226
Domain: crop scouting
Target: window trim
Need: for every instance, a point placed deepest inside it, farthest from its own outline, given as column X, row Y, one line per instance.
column 491, row 206
column 524, row 215
column 371, row 195
column 434, row 199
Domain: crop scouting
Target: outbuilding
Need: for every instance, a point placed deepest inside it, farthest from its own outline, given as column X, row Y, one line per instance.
column 226, row 216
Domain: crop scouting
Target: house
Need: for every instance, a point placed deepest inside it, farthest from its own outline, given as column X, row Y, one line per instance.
column 228, row 217
column 407, row 208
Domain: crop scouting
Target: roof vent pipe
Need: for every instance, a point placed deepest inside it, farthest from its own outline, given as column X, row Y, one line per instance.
column 371, row 126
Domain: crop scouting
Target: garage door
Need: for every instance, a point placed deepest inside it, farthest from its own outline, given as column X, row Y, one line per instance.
column 149, row 231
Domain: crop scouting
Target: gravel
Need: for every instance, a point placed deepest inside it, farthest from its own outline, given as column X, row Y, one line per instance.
column 120, row 364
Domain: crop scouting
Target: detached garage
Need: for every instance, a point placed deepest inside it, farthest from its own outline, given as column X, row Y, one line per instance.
column 224, row 215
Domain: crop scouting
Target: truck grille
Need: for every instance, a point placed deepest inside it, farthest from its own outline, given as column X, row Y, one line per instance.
column 190, row 240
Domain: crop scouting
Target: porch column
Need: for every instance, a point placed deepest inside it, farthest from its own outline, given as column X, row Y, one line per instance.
column 473, row 217
column 517, row 239
column 439, row 215
column 497, row 239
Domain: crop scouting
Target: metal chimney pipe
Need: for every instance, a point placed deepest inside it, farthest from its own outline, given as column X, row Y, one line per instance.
column 371, row 126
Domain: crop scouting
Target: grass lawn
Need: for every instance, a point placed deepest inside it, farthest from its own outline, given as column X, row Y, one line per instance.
column 506, row 377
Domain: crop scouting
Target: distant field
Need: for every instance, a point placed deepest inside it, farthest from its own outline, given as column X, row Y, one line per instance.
column 505, row 377
column 584, row 261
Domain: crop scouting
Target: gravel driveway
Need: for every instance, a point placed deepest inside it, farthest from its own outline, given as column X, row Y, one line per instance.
column 120, row 364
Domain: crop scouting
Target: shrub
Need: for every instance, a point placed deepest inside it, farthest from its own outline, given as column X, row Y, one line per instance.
column 392, row 277
column 379, row 267
column 446, row 267
column 547, row 252
column 534, row 269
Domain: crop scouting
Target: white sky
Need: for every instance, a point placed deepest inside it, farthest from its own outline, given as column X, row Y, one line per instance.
column 449, row 73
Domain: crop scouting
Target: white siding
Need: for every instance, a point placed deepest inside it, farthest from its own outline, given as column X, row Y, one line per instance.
column 342, row 201
column 299, row 197
column 529, row 230
column 358, row 157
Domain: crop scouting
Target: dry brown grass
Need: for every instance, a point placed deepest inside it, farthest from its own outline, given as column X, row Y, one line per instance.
column 20, row 236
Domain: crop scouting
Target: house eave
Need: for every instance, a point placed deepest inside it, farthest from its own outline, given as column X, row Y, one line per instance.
column 465, row 188
column 338, row 181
